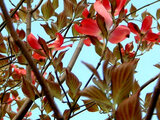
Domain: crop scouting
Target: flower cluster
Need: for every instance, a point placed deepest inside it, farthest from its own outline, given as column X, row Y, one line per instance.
column 90, row 26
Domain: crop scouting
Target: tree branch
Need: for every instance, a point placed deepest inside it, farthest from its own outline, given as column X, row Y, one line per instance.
column 154, row 100
column 12, row 14
column 73, row 59
column 30, row 61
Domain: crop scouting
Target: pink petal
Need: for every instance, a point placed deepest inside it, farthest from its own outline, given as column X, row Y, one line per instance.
column 120, row 5
column 58, row 42
column 98, row 6
column 119, row 34
column 33, row 42
column 88, row 27
column 106, row 4
column 152, row 37
column 146, row 24
column 38, row 56
column 87, row 42
column 85, row 13
column 134, row 28
column 63, row 47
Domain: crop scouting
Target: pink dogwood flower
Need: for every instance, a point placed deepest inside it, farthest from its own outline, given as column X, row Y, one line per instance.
column 56, row 45
column 90, row 27
column 145, row 30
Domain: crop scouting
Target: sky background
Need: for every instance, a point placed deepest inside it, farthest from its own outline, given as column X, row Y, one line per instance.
column 145, row 69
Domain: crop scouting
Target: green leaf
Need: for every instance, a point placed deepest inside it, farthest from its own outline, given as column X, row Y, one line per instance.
column 28, row 89
column 73, row 84
column 129, row 109
column 47, row 10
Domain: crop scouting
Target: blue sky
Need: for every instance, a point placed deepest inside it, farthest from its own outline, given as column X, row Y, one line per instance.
column 145, row 67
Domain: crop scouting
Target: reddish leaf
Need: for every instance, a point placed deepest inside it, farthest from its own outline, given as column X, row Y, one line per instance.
column 44, row 46
column 55, row 89
column 68, row 8
column 136, row 87
column 73, row 83
column 96, row 95
column 22, row 59
column 158, row 14
column 46, row 105
column 66, row 114
column 55, row 4
column 23, row 13
column 48, row 30
column 133, row 9
column 129, row 109
column 93, row 70
column 158, row 107
column 80, row 8
column 47, row 9
column 61, row 20
column 122, row 81
column 147, row 100
column 21, row 34
column 90, row 106
column 28, row 89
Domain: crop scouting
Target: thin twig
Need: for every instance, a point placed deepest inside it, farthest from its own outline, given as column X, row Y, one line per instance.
column 37, row 6
column 30, row 61
column 149, row 81
column 63, row 89
column 73, row 59
column 142, row 8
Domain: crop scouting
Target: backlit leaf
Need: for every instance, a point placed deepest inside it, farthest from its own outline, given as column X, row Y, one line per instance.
column 44, row 46
column 68, row 8
column 23, row 14
column 101, row 24
column 55, row 89
column 132, row 9
column 93, row 70
column 136, row 87
column 96, row 95
column 47, row 9
column 55, row 4
column 147, row 100
column 129, row 109
column 91, row 106
column 48, row 30
column 28, row 89
column 158, row 14
column 79, row 8
column 73, row 83
column 122, row 81
column 158, row 108
column 61, row 20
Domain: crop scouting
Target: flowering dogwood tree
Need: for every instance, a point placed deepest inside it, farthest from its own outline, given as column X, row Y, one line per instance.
column 32, row 69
